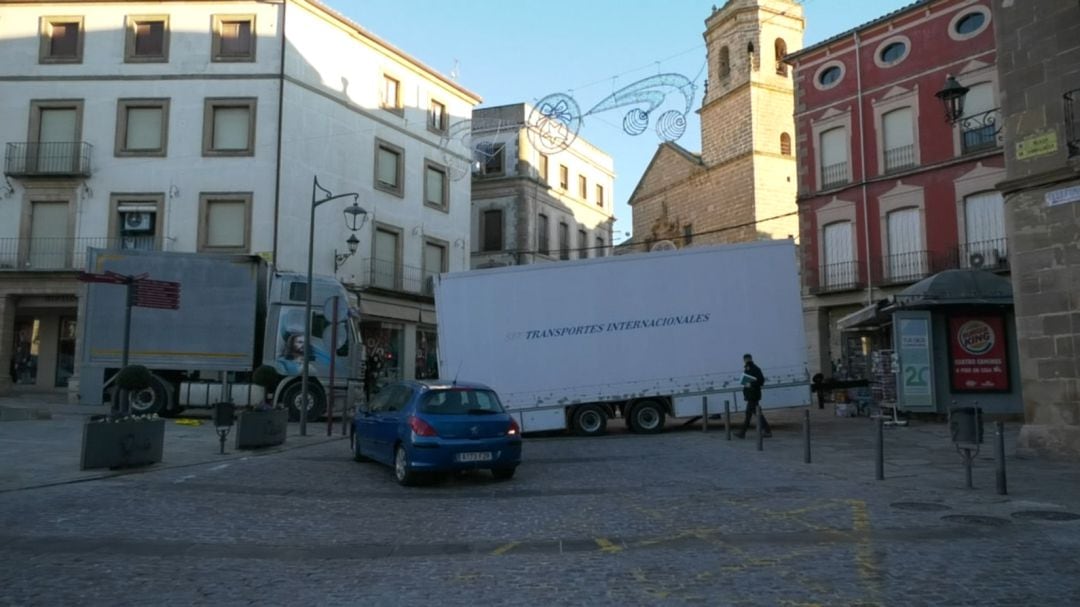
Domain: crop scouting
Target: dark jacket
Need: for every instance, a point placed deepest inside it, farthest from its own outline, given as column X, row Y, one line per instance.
column 752, row 392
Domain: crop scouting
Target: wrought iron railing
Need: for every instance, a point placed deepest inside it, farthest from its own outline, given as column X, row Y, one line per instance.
column 832, row 277
column 903, row 268
column 61, row 253
column 387, row 274
column 50, row 159
column 1072, row 122
column 899, row 158
column 834, row 175
column 986, row 254
column 979, row 132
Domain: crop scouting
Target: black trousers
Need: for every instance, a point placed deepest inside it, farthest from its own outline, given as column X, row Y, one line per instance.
column 751, row 409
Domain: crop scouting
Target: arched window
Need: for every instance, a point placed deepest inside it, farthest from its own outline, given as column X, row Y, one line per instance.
column 785, row 144
column 781, row 50
column 723, row 63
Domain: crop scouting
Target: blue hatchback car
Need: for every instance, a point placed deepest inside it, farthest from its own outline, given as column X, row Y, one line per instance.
column 420, row 427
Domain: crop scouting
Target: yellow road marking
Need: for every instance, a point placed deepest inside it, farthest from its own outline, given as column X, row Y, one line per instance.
column 607, row 546
column 865, row 561
column 505, row 548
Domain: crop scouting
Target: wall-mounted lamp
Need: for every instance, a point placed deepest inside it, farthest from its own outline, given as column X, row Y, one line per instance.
column 339, row 258
column 952, row 97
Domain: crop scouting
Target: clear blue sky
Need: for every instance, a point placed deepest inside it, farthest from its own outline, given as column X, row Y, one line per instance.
column 521, row 51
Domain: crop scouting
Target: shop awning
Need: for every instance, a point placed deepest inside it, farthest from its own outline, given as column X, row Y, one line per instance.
column 866, row 318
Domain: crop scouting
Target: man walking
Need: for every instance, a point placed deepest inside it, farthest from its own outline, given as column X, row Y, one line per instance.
column 753, row 380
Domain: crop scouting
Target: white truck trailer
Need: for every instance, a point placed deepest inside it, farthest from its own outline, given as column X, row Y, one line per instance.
column 235, row 314
column 642, row 336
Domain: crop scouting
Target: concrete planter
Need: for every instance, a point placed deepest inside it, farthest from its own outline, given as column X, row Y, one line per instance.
column 122, row 444
column 256, row 429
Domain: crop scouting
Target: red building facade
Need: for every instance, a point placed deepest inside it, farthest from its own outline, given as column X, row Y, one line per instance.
column 890, row 191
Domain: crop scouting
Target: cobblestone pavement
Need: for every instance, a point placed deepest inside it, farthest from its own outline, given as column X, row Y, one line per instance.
column 680, row 518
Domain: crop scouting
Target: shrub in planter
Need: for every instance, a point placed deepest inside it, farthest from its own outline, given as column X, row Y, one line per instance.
column 122, row 442
column 262, row 425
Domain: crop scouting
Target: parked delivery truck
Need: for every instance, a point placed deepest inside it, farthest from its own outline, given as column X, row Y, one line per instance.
column 235, row 315
column 644, row 336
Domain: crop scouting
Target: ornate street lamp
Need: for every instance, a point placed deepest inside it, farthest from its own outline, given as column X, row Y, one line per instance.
column 358, row 215
column 339, row 258
column 952, row 96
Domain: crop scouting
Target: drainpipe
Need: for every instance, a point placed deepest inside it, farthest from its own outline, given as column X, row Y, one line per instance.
column 280, row 121
column 862, row 160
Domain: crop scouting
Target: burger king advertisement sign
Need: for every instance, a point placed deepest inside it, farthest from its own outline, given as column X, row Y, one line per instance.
column 977, row 351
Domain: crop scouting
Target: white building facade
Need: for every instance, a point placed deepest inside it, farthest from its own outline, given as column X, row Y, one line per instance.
column 529, row 206
column 199, row 126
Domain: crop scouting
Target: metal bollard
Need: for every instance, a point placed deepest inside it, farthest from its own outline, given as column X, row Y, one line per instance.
column 879, row 451
column 806, row 436
column 999, row 431
column 757, row 426
column 727, row 419
column 704, row 413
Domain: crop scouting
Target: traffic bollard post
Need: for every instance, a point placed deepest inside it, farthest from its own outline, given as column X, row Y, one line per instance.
column 806, row 436
column 757, row 424
column 999, row 431
column 727, row 419
column 879, row 450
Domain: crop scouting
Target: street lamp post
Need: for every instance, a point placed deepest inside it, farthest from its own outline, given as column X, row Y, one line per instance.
column 353, row 214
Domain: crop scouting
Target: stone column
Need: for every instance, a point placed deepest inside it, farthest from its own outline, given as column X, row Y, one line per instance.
column 7, row 340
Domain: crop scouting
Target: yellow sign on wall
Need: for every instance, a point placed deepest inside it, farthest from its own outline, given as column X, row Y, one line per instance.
column 1040, row 144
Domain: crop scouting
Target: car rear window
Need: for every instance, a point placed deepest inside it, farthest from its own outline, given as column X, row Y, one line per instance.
column 460, row 401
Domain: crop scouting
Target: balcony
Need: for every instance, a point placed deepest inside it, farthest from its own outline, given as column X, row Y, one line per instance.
column 899, row 158
column 49, row 254
column 836, row 277
column 906, row 268
column 979, row 132
column 1072, row 122
column 834, row 175
column 390, row 275
column 985, row 255
column 51, row 159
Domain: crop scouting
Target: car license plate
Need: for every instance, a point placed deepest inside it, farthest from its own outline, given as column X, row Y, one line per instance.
column 474, row 456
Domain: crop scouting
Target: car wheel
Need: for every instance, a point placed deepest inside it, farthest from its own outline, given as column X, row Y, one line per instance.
column 589, row 420
column 402, row 472
column 647, row 417
column 503, row 474
column 316, row 402
column 153, row 399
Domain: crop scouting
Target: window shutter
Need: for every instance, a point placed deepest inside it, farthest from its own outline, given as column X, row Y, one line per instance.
column 388, row 169
column 433, row 259
column 436, row 181
column 833, row 147
column 225, row 223
column 979, row 99
column 897, row 126
column 231, row 128
column 984, row 217
column 144, row 129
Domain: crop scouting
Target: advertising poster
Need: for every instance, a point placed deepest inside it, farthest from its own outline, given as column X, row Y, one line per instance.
column 914, row 347
column 977, row 353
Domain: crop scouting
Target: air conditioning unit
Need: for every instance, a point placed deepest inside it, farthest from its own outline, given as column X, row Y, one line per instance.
column 977, row 260
column 138, row 222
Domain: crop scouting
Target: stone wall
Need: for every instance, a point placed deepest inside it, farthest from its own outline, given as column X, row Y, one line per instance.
column 1038, row 62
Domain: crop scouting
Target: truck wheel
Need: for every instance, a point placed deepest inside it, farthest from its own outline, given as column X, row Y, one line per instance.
column 589, row 420
column 154, row 399
column 316, row 402
column 647, row 417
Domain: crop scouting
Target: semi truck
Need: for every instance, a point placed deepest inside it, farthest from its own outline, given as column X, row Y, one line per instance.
column 235, row 314
column 638, row 337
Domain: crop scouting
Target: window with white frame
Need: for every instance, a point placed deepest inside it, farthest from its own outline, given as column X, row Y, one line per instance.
column 834, row 157
column 898, row 139
column 225, row 225
column 906, row 260
column 984, row 230
column 838, row 268
column 978, row 128
column 391, row 94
